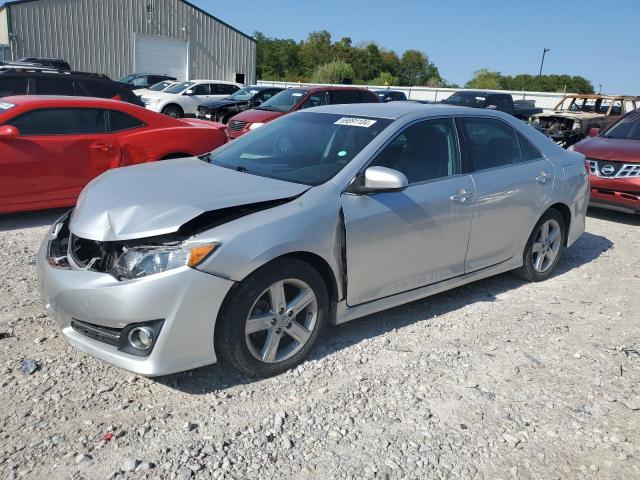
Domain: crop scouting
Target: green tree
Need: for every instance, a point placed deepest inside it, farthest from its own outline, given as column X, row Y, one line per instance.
column 415, row 69
column 385, row 79
column 486, row 79
column 316, row 50
column 276, row 59
column 332, row 72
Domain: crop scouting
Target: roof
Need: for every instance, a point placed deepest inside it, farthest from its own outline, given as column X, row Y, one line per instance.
column 191, row 5
column 395, row 110
column 63, row 99
column 314, row 88
column 595, row 96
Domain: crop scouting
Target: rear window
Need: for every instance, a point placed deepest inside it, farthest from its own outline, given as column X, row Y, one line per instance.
column 120, row 121
column 346, row 96
column 13, row 86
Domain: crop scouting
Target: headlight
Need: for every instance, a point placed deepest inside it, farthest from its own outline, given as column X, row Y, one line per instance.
column 253, row 126
column 58, row 244
column 536, row 120
column 576, row 126
column 137, row 262
column 571, row 148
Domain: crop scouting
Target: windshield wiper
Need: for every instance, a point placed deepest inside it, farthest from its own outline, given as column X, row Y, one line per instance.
column 240, row 168
column 268, row 108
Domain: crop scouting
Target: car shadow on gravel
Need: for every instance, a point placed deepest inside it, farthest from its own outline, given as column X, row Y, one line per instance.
column 20, row 220
column 220, row 377
column 614, row 216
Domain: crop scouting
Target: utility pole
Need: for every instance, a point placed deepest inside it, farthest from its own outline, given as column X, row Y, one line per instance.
column 544, row 52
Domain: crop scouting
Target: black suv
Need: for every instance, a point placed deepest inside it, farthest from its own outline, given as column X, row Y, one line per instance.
column 390, row 95
column 248, row 97
column 17, row 80
column 144, row 80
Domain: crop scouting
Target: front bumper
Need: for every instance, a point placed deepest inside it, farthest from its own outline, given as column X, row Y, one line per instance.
column 188, row 301
column 619, row 194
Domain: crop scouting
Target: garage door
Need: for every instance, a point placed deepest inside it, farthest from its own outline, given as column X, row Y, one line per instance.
column 161, row 55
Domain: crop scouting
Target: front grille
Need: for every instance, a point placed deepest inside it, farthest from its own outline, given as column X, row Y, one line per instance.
column 97, row 332
column 236, row 125
column 608, row 169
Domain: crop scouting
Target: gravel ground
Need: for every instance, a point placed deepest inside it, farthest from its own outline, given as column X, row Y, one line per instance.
column 500, row 379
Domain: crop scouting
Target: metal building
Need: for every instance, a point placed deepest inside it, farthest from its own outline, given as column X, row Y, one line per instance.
column 118, row 37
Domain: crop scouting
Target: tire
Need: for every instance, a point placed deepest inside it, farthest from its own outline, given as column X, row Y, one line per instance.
column 173, row 111
column 248, row 327
column 542, row 255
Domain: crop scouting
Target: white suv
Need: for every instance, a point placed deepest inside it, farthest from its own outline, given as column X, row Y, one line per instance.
column 184, row 98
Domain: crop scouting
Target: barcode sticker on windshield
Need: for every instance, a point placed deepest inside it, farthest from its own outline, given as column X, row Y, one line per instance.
column 355, row 122
column 296, row 94
column 6, row 105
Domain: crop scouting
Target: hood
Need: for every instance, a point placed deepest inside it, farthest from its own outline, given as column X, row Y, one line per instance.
column 258, row 116
column 158, row 198
column 154, row 94
column 572, row 115
column 212, row 104
column 195, row 122
column 614, row 149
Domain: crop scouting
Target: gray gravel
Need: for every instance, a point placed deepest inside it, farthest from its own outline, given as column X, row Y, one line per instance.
column 500, row 379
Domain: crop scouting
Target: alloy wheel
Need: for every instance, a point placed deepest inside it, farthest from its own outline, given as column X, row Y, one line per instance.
column 281, row 321
column 546, row 245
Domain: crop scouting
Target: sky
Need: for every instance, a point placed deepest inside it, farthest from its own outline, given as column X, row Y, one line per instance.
column 598, row 39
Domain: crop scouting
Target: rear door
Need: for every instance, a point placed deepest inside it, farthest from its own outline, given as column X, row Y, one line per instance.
column 399, row 241
column 13, row 86
column 513, row 183
column 58, row 152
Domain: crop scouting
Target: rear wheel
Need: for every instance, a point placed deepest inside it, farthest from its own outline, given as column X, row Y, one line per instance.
column 173, row 111
column 544, row 248
column 273, row 318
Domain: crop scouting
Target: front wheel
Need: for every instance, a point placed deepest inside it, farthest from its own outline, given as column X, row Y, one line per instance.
column 544, row 248
column 273, row 318
column 173, row 111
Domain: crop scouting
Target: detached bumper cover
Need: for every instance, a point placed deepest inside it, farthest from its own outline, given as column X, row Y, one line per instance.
column 623, row 193
column 188, row 301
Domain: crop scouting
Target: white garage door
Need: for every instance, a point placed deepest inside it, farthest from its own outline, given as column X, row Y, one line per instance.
column 161, row 55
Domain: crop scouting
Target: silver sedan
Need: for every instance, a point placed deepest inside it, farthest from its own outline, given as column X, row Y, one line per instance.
column 321, row 216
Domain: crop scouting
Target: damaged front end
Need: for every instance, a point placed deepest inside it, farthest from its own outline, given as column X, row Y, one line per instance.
column 563, row 130
column 137, row 258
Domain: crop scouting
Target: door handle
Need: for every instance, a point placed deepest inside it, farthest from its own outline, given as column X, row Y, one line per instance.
column 543, row 177
column 461, row 196
column 102, row 147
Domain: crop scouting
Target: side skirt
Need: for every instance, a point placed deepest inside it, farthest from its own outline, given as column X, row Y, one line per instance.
column 344, row 313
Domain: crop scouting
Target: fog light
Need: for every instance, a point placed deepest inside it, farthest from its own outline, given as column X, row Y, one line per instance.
column 141, row 338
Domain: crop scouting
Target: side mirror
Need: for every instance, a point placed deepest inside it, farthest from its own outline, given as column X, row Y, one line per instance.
column 8, row 132
column 189, row 92
column 492, row 107
column 380, row 179
column 593, row 132
column 256, row 102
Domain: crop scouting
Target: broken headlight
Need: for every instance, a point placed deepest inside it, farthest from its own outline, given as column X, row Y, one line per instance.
column 137, row 262
column 58, row 244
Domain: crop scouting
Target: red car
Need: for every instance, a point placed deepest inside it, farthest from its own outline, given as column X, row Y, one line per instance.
column 51, row 147
column 293, row 99
column 613, row 157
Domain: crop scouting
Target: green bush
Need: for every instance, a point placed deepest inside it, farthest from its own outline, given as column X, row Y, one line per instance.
column 333, row 72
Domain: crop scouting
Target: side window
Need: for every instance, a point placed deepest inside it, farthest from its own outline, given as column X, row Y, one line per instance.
column 229, row 89
column 345, row 96
column 13, row 86
column 120, row 121
column 52, row 86
column 491, row 143
column 154, row 79
column 264, row 95
column 97, row 89
column 424, row 151
column 529, row 152
column 61, row 121
column 202, row 89
column 139, row 81
column 315, row 99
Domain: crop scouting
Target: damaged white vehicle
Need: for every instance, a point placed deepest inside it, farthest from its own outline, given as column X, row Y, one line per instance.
column 324, row 215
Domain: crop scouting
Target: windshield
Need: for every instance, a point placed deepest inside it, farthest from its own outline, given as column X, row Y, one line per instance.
column 179, row 87
column 466, row 99
column 284, row 101
column 304, row 147
column 626, row 129
column 158, row 87
column 128, row 78
column 243, row 94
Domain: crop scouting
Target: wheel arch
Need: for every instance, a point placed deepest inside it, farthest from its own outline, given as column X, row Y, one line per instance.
column 172, row 104
column 565, row 211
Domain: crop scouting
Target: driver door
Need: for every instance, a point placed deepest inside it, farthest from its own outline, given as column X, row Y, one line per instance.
column 399, row 241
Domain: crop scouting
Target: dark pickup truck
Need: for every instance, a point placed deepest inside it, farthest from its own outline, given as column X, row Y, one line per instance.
column 494, row 101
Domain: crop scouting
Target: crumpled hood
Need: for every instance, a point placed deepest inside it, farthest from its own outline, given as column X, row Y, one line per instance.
column 572, row 115
column 213, row 104
column 157, row 198
column 256, row 115
column 602, row 148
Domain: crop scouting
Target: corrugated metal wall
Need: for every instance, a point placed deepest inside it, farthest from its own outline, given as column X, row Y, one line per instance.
column 98, row 35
